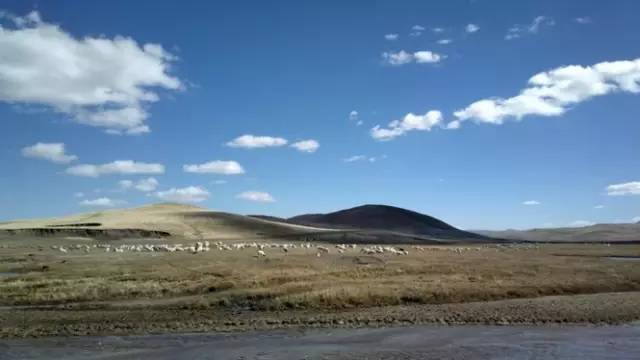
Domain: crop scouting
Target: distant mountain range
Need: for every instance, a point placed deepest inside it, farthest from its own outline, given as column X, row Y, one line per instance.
column 361, row 224
column 593, row 233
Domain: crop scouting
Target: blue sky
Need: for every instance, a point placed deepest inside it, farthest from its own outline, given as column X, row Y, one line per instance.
column 165, row 85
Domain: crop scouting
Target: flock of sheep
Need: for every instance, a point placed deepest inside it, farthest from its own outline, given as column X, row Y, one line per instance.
column 262, row 249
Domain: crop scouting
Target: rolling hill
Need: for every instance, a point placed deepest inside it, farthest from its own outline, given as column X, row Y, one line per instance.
column 593, row 233
column 160, row 220
column 363, row 224
column 387, row 219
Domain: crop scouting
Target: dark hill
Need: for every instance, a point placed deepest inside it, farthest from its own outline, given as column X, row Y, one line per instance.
column 385, row 218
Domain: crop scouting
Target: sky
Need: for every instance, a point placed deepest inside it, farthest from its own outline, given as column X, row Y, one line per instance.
column 485, row 114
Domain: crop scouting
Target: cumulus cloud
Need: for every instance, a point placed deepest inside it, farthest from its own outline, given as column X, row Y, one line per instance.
column 116, row 167
column 186, row 194
column 225, row 167
column 629, row 188
column 416, row 30
column 551, row 93
column 253, row 142
column 580, row 223
column 101, row 202
column 308, row 146
column 96, row 81
column 391, row 37
column 531, row 202
column 144, row 185
column 471, row 28
column 54, row 152
column 517, row 31
column 445, row 41
column 437, row 30
column 410, row 122
column 599, row 207
column 420, row 57
column 257, row 196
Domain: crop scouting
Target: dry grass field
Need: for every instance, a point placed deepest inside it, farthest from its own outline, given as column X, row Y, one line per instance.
column 85, row 289
column 300, row 279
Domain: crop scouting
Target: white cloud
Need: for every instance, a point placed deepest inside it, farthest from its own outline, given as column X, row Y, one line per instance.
column 437, row 30
column 116, row 167
column 144, row 185
column 78, row 195
column 391, row 37
column 253, row 142
column 257, row 196
column 354, row 158
column 308, row 146
column 354, row 116
column 516, row 31
column 399, row 58
column 635, row 219
column 125, row 184
column 421, row 57
column 427, row 57
column 54, row 152
column 551, row 93
column 96, row 81
column 445, row 41
column 101, row 202
column 629, row 188
column 418, row 28
column 215, row 167
column 599, row 207
column 370, row 159
column 531, row 202
column 408, row 123
column 580, row 223
column 186, row 194
column 583, row 20
column 219, row 182
column 471, row 28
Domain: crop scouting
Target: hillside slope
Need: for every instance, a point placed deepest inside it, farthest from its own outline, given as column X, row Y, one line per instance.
column 386, row 218
column 158, row 220
column 593, row 233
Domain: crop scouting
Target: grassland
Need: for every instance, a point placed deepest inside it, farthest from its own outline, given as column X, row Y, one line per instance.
column 48, row 286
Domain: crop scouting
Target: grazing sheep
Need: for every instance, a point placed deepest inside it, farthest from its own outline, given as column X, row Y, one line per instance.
column 261, row 253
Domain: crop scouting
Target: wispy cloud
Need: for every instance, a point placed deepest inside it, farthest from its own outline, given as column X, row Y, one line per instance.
column 102, row 202
column 517, row 31
column 420, row 57
column 189, row 194
column 254, row 142
column 583, row 20
column 256, row 196
column 531, row 203
column 471, row 28
column 224, row 167
column 116, row 167
column 391, row 37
